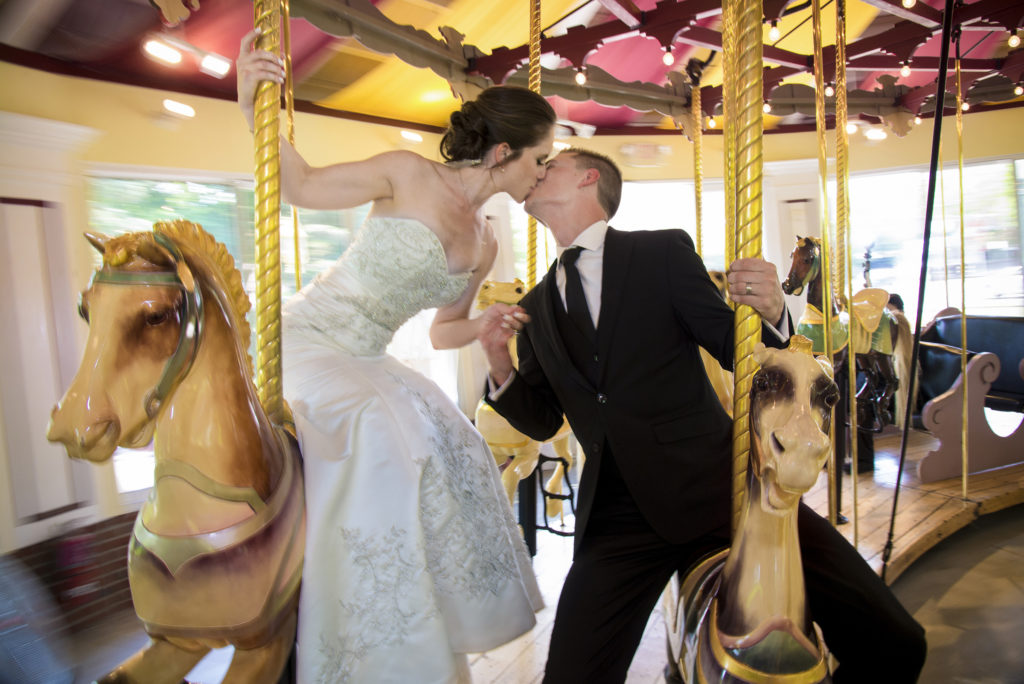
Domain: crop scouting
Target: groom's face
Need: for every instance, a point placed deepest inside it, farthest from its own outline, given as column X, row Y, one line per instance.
column 557, row 187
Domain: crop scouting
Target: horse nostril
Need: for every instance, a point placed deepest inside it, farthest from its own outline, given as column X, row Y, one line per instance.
column 94, row 433
column 776, row 443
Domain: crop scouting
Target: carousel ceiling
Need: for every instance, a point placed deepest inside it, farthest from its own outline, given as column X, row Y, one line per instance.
column 407, row 60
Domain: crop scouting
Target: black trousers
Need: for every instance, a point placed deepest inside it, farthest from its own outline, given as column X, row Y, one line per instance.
column 622, row 567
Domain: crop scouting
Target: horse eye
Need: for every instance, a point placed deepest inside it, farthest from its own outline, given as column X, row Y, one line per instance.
column 83, row 311
column 155, row 318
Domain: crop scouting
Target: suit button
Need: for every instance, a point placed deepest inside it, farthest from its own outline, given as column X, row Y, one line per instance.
column 602, row 399
column 595, row 357
column 594, row 447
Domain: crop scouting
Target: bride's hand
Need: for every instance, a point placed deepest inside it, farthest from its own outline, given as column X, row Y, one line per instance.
column 496, row 325
column 253, row 66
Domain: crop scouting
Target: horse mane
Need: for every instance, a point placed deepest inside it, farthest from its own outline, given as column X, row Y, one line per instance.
column 216, row 268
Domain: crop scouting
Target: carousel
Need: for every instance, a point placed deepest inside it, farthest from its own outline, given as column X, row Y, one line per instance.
column 214, row 553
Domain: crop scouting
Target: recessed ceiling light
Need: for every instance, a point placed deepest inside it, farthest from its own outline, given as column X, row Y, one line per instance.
column 179, row 109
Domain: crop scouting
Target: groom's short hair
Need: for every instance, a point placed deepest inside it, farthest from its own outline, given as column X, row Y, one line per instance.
column 609, row 183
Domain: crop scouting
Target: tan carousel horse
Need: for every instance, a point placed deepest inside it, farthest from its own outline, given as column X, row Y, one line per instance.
column 740, row 615
column 215, row 556
column 511, row 448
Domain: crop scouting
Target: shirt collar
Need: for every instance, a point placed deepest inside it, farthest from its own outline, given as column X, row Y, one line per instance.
column 593, row 236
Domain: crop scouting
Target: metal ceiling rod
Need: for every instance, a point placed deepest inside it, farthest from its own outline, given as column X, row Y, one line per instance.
column 947, row 32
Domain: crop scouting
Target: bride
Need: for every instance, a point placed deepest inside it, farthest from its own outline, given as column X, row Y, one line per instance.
column 412, row 555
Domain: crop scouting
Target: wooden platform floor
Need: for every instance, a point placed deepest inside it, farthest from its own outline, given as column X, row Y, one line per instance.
column 925, row 513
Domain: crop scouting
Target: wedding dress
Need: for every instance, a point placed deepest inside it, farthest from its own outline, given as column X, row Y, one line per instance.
column 412, row 554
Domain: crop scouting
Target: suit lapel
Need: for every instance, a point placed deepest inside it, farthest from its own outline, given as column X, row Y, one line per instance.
column 617, row 251
column 547, row 327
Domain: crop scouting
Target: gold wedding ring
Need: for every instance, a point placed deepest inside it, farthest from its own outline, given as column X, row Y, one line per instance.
column 749, row 290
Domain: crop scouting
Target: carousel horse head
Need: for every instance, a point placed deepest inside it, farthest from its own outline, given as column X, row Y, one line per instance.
column 506, row 293
column 145, row 310
column 790, row 400
column 806, row 266
column 739, row 615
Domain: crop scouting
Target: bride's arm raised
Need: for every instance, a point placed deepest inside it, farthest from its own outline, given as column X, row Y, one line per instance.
column 338, row 186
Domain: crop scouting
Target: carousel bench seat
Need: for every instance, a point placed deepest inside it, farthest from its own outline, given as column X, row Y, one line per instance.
column 1000, row 335
column 994, row 379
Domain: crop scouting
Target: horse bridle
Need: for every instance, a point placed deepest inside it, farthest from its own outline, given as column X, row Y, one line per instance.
column 191, row 320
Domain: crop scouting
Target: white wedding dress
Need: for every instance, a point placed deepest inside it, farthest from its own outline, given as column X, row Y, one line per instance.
column 412, row 555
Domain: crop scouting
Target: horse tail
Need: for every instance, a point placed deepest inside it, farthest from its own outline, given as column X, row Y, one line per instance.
column 902, row 351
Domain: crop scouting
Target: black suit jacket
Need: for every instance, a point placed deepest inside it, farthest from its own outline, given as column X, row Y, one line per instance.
column 652, row 408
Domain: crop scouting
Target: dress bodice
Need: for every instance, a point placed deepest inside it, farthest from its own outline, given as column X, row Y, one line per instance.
column 395, row 268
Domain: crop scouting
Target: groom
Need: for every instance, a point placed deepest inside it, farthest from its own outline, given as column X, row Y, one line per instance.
column 609, row 338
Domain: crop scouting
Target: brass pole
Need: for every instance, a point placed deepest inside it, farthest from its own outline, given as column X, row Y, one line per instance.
column 534, row 84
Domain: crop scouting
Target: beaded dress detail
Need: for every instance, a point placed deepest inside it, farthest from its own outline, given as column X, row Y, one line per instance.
column 412, row 554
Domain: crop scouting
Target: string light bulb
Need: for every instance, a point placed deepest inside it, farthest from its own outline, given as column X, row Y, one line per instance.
column 767, row 107
column 905, row 70
column 773, row 33
column 1013, row 41
column 917, row 120
column 1018, row 90
column 908, row 4
column 581, row 78
column 667, row 58
column 829, row 91
column 711, row 122
column 965, row 105
column 851, row 127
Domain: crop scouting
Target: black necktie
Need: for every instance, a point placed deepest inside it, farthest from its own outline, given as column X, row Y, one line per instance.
column 575, row 300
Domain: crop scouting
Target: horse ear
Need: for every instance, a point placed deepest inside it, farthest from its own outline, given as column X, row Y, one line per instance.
column 98, row 240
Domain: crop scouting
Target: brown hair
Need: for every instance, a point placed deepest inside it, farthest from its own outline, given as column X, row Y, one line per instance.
column 609, row 185
column 502, row 114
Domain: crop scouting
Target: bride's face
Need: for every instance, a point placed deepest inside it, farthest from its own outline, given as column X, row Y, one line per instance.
column 518, row 176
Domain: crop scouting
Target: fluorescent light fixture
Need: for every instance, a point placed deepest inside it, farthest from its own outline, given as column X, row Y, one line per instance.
column 179, row 109
column 412, row 136
column 215, row 65
column 162, row 51
column 875, row 133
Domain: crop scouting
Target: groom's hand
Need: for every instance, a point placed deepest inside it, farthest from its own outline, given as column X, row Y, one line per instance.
column 497, row 325
column 755, row 282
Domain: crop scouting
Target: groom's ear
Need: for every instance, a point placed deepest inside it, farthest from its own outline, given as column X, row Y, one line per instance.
column 590, row 176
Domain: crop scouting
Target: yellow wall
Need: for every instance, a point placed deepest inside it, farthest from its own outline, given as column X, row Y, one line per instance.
column 133, row 132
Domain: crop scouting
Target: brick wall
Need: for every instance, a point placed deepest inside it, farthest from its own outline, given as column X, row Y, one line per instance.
column 85, row 570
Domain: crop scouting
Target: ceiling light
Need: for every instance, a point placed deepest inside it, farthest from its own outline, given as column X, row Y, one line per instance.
column 875, row 133
column 667, row 58
column 1018, row 90
column 905, row 70
column 1013, row 41
column 909, row 3
column 215, row 65
column 965, row 105
column 773, row 33
column 829, row 91
column 851, row 127
column 561, row 145
column 581, row 78
column 767, row 107
column 711, row 122
column 412, row 136
column 162, row 51
column 179, row 109
column 917, row 121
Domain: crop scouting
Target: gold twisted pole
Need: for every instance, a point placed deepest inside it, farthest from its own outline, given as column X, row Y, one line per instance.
column 826, row 252
column 697, row 116
column 843, row 239
column 534, row 84
column 729, row 77
column 963, row 273
column 289, row 105
column 748, row 169
column 268, row 217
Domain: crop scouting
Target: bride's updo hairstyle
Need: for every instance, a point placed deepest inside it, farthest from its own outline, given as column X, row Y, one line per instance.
column 502, row 114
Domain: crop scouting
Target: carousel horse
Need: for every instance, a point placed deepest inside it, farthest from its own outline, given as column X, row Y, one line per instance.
column 173, row 12
column 740, row 615
column 880, row 340
column 215, row 556
column 517, row 453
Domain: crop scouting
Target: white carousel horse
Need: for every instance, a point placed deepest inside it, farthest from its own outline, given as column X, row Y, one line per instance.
column 740, row 614
column 511, row 448
column 215, row 556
